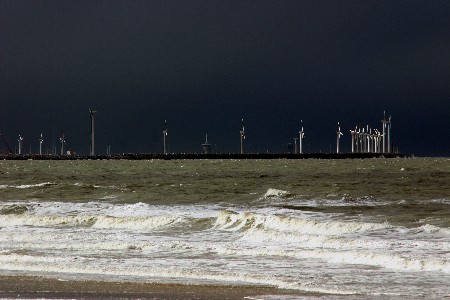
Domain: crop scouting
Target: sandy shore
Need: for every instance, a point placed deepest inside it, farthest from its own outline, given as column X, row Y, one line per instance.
column 28, row 287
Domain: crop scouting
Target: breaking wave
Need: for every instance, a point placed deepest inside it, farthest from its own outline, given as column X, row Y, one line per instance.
column 274, row 193
column 100, row 222
column 229, row 220
column 27, row 186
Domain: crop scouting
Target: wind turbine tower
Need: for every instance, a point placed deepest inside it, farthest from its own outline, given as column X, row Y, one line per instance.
column 338, row 137
column 206, row 146
column 384, row 122
column 389, row 146
column 91, row 115
column 301, row 136
column 242, row 137
column 165, row 138
column 295, row 145
column 41, row 140
column 63, row 141
column 20, row 144
column 353, row 133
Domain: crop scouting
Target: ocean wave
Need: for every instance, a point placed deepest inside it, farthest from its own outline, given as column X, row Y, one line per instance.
column 229, row 220
column 434, row 229
column 27, row 186
column 46, row 221
column 366, row 257
column 275, row 193
column 95, row 221
column 87, row 267
column 137, row 223
column 14, row 209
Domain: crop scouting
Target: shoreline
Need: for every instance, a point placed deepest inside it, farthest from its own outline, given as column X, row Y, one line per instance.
column 192, row 156
column 32, row 287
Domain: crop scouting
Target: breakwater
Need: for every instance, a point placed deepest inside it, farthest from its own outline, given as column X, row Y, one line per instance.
column 170, row 156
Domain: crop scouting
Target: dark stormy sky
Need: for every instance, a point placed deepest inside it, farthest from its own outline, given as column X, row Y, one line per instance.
column 205, row 65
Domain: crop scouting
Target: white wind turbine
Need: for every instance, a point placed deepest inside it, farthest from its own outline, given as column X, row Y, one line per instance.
column 338, row 137
column 384, row 122
column 242, row 135
column 63, row 141
column 91, row 115
column 301, row 137
column 358, row 139
column 354, row 133
column 363, row 141
column 389, row 146
column 165, row 138
column 41, row 140
column 379, row 141
column 20, row 144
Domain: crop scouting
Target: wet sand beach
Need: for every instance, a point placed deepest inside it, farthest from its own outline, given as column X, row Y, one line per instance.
column 29, row 287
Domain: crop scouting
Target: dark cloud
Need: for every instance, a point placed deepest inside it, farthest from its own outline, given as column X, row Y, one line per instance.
column 204, row 65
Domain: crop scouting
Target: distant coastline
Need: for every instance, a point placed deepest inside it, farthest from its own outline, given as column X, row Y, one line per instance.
column 175, row 156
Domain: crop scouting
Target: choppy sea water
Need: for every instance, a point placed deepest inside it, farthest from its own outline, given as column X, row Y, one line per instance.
column 360, row 228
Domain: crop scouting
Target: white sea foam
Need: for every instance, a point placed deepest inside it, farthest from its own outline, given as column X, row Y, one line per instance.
column 27, row 186
column 136, row 223
column 235, row 221
column 15, row 262
column 274, row 193
column 363, row 257
column 100, row 222
column 435, row 229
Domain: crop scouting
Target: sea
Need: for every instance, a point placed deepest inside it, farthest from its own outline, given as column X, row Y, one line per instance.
column 321, row 228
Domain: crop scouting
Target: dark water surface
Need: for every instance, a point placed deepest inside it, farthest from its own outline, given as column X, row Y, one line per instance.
column 366, row 228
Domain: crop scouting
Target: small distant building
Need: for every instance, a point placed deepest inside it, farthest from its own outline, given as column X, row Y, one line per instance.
column 206, row 146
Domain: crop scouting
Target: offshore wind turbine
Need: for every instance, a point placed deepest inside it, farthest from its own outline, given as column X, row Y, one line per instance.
column 301, row 136
column 389, row 146
column 295, row 145
column 338, row 137
column 63, row 141
column 20, row 144
column 363, row 141
column 353, row 133
column 206, row 146
column 384, row 122
column 242, row 134
column 165, row 138
column 91, row 115
column 41, row 140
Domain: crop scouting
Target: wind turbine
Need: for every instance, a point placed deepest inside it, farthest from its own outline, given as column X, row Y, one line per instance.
column 338, row 137
column 363, row 141
column 295, row 145
column 20, row 144
column 91, row 115
column 302, row 136
column 206, row 146
column 384, row 122
column 242, row 134
column 165, row 138
column 63, row 141
column 377, row 138
column 41, row 140
column 353, row 133
column 389, row 146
